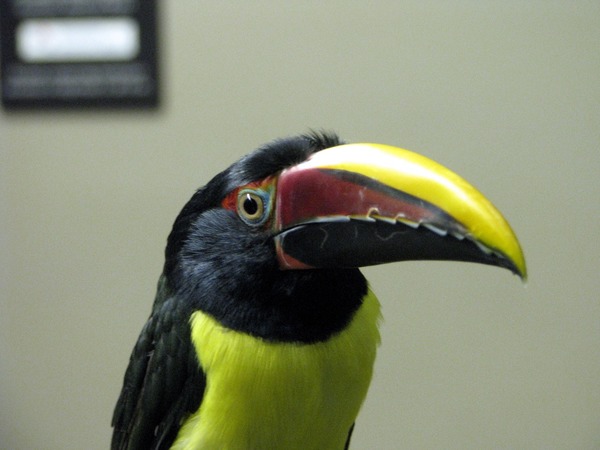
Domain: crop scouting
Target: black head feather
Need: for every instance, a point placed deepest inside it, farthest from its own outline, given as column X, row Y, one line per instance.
column 221, row 265
column 267, row 160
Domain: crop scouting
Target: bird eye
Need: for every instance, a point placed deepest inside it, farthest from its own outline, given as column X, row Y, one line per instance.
column 250, row 205
column 253, row 206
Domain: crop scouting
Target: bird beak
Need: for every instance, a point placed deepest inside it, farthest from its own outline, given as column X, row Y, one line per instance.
column 363, row 204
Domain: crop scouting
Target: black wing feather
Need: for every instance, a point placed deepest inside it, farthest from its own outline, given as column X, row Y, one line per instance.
column 163, row 383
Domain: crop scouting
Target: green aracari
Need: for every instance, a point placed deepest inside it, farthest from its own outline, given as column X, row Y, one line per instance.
column 263, row 332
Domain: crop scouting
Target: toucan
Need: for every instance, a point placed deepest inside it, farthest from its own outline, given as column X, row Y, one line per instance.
column 263, row 332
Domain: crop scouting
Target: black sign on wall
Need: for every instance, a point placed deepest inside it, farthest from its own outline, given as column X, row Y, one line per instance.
column 78, row 53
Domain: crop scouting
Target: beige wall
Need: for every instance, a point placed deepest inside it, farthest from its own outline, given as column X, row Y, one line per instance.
column 505, row 93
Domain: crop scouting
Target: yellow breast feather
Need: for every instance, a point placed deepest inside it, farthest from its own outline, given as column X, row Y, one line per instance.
column 269, row 395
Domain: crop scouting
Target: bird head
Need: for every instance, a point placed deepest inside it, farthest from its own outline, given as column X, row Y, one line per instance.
column 272, row 245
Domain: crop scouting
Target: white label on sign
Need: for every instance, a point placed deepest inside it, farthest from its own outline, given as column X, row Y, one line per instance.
column 78, row 40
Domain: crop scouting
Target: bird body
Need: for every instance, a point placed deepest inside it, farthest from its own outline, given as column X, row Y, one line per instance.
column 263, row 331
